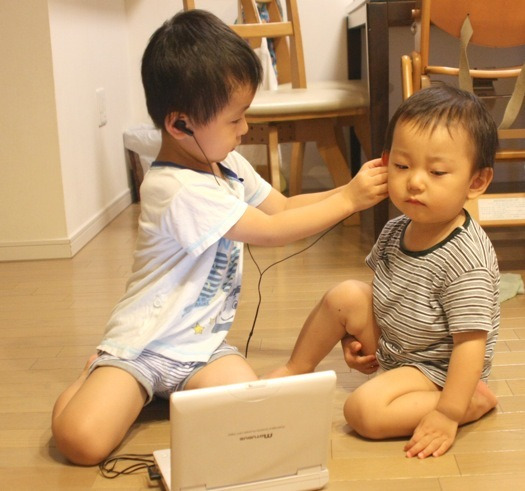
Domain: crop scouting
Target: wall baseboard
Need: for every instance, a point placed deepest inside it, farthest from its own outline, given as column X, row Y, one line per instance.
column 65, row 247
column 82, row 236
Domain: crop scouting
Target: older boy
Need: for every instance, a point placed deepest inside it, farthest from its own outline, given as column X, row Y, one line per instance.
column 199, row 202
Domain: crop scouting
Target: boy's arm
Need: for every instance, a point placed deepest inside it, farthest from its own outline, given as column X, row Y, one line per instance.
column 279, row 220
column 436, row 432
column 277, row 202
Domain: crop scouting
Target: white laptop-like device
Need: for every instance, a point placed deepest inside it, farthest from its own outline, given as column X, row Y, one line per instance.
column 269, row 434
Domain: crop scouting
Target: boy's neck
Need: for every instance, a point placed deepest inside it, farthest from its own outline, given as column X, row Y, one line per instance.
column 423, row 236
column 178, row 155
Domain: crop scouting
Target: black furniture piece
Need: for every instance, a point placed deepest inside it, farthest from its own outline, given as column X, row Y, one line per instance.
column 375, row 17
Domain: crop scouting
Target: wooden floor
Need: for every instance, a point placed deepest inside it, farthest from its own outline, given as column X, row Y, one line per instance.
column 52, row 314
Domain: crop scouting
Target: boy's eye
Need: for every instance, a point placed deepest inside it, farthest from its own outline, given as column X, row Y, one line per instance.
column 239, row 119
column 438, row 172
column 400, row 166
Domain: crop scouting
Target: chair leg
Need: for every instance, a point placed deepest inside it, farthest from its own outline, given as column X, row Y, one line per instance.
column 333, row 156
column 355, row 152
column 362, row 130
column 274, row 167
column 296, row 168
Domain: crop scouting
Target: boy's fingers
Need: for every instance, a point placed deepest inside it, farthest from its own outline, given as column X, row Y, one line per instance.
column 373, row 163
column 441, row 450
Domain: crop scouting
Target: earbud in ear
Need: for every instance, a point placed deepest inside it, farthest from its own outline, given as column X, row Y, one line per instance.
column 180, row 124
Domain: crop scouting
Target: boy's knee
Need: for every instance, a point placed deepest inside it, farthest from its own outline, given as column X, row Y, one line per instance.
column 80, row 443
column 349, row 292
column 340, row 296
column 361, row 417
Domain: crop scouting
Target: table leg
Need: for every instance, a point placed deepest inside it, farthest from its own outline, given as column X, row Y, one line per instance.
column 378, row 69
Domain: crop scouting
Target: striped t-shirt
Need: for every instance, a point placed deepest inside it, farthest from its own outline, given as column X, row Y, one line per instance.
column 422, row 298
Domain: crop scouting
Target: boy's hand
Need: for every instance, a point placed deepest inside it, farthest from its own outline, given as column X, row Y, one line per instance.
column 355, row 359
column 434, row 435
column 369, row 186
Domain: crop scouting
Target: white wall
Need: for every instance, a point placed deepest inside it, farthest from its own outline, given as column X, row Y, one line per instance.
column 31, row 196
column 90, row 50
column 63, row 177
column 89, row 42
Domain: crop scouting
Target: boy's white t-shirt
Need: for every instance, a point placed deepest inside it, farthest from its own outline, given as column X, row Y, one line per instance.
column 182, row 295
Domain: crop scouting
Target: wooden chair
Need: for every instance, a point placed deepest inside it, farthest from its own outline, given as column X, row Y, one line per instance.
column 495, row 24
column 298, row 112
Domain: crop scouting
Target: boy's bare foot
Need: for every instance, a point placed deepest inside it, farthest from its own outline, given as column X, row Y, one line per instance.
column 483, row 391
column 482, row 402
column 278, row 372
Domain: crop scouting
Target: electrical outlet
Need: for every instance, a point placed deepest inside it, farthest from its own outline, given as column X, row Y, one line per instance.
column 101, row 106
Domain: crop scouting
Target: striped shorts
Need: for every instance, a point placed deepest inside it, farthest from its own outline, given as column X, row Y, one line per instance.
column 160, row 376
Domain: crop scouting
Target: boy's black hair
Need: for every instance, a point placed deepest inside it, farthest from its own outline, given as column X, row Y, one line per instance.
column 448, row 105
column 192, row 64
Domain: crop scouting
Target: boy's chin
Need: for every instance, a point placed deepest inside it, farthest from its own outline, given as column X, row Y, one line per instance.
column 224, row 156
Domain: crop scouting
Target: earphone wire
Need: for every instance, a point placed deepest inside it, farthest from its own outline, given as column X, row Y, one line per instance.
column 140, row 462
column 261, row 274
column 109, row 468
column 207, row 160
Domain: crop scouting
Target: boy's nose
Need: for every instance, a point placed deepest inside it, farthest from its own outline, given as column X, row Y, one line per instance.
column 415, row 182
column 244, row 127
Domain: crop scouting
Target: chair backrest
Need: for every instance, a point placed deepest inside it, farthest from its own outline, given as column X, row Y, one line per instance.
column 285, row 33
column 485, row 23
column 496, row 23
column 501, row 22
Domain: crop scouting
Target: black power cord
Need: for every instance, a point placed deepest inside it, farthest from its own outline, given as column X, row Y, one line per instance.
column 135, row 463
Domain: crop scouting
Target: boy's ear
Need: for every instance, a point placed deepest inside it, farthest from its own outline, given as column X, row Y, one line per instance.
column 171, row 128
column 480, row 182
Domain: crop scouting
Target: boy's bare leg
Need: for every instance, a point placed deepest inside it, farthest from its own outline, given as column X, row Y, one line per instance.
column 345, row 309
column 231, row 369
column 65, row 397
column 393, row 403
column 93, row 415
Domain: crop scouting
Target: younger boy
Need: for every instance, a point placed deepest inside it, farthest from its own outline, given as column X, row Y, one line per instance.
column 432, row 313
column 199, row 202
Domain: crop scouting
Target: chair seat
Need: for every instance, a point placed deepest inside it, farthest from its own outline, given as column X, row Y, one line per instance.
column 319, row 97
